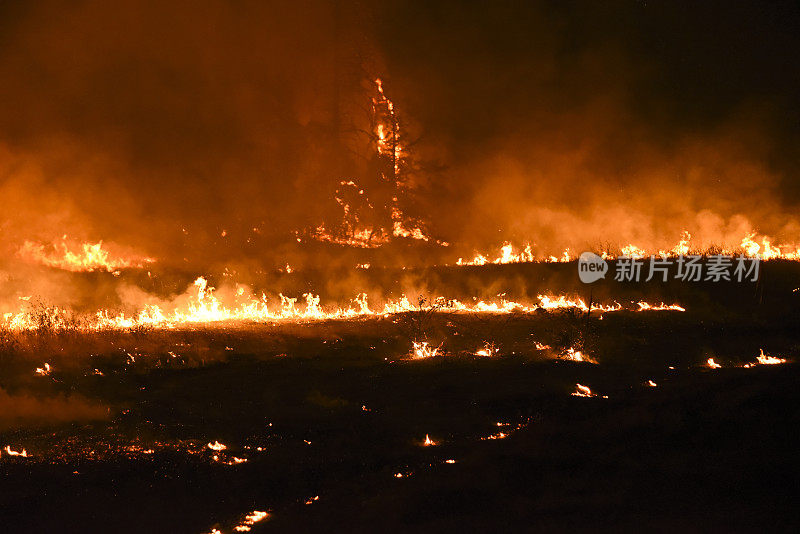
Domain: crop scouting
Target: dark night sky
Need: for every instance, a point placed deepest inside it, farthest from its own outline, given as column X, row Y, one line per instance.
column 554, row 120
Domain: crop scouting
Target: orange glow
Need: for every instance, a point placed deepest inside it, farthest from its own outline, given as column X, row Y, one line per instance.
column 584, row 391
column 250, row 519
column 750, row 246
column 424, row 350
column 428, row 442
column 23, row 453
column 89, row 257
column 202, row 306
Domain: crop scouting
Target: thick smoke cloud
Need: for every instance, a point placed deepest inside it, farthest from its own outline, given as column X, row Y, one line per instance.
column 577, row 123
column 156, row 126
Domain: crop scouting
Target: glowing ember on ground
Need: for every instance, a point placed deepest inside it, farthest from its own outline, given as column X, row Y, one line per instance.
column 43, row 371
column 712, row 364
column 216, row 446
column 651, row 384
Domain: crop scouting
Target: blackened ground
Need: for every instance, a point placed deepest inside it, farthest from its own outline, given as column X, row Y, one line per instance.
column 339, row 412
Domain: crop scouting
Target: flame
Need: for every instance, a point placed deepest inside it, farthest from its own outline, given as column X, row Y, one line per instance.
column 216, row 446
column 428, row 442
column 576, row 356
column 90, row 257
column 23, row 453
column 44, row 370
column 712, row 364
column 204, row 307
column 489, row 349
column 251, row 519
column 506, row 432
column 644, row 306
column 396, row 160
column 584, row 391
column 763, row 359
column 750, row 246
column 423, row 350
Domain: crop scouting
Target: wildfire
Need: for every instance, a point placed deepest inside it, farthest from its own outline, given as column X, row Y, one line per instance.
column 644, row 306
column 217, row 446
column 202, row 306
column 763, row 359
column 89, row 257
column 749, row 246
column 43, row 371
column 584, row 391
column 489, row 349
column 251, row 519
column 23, row 453
column 428, row 442
column 422, row 349
column 506, row 432
column 576, row 356
column 712, row 364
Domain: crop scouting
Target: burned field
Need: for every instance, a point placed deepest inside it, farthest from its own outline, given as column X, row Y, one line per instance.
column 534, row 419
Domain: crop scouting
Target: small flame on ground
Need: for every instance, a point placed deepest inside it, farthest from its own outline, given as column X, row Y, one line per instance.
column 23, row 453
column 489, row 349
column 428, row 442
column 585, row 391
column 712, row 364
column 763, row 359
column 250, row 520
column 422, row 349
column 576, row 356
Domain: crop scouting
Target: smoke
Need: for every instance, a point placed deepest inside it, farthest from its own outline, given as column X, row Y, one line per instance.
column 161, row 126
column 576, row 124
column 29, row 410
column 204, row 134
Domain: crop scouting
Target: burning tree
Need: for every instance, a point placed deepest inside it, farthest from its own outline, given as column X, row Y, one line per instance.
column 380, row 206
